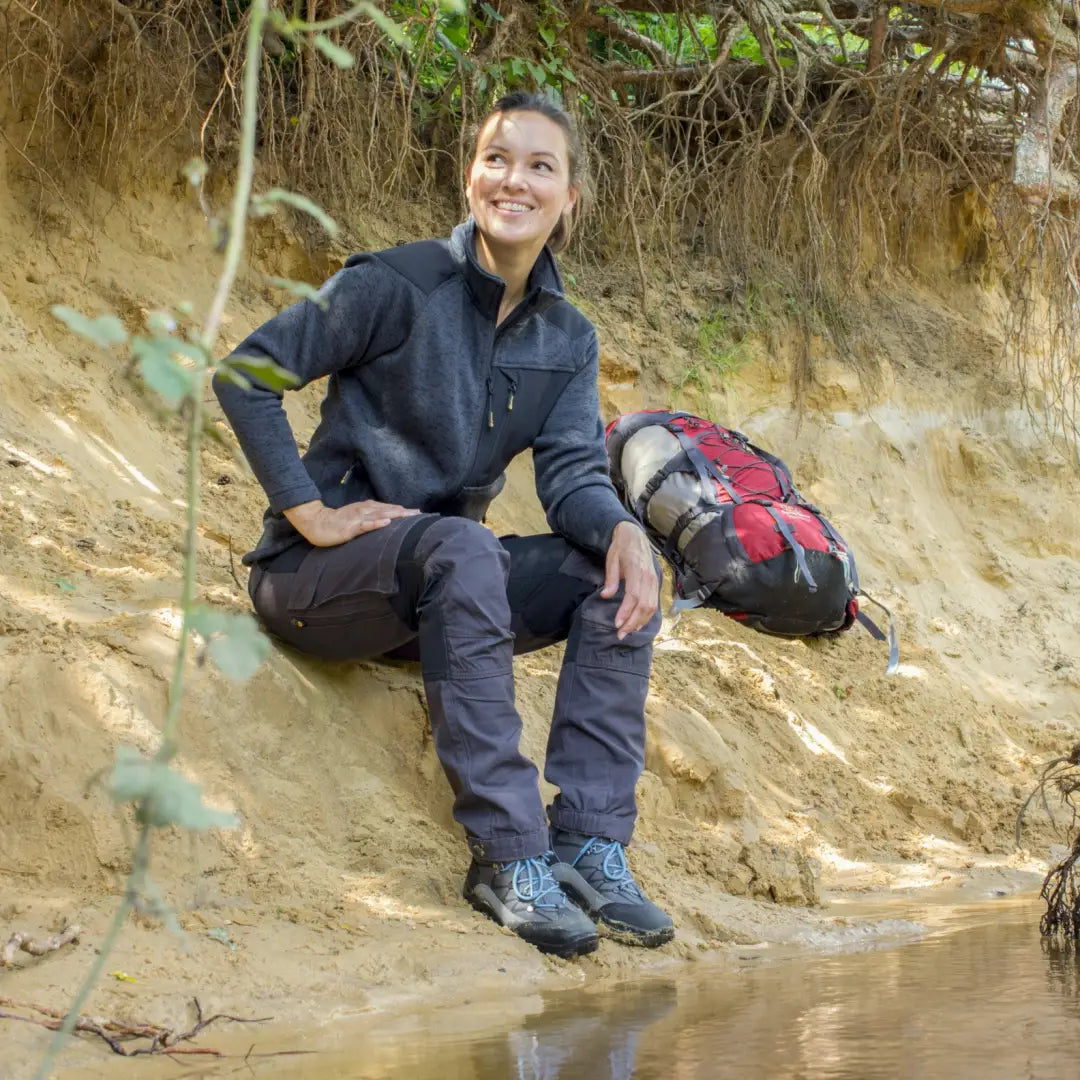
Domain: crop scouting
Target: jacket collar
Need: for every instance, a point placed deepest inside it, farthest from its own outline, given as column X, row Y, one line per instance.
column 545, row 286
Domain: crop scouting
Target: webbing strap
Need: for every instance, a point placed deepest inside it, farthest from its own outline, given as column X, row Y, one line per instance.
column 875, row 632
column 783, row 473
column 706, row 469
column 682, row 523
column 679, row 463
column 796, row 547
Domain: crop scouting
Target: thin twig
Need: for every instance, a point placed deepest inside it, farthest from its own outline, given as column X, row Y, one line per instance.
column 24, row 942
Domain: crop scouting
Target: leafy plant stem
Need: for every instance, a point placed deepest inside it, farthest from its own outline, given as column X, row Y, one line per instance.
column 169, row 745
column 244, row 179
column 140, row 861
column 233, row 252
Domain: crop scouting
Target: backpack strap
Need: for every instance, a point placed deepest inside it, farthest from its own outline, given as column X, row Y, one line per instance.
column 789, row 538
column 706, row 469
column 783, row 473
column 872, row 628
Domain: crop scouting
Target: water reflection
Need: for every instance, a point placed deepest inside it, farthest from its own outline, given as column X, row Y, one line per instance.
column 594, row 1037
column 977, row 997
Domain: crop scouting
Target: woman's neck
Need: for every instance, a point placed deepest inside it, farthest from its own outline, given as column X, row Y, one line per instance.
column 513, row 265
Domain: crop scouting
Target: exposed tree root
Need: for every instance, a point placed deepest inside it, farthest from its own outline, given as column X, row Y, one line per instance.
column 25, row 943
column 117, row 1034
column 805, row 145
column 1060, row 889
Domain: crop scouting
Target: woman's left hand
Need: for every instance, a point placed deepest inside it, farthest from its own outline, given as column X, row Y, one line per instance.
column 630, row 559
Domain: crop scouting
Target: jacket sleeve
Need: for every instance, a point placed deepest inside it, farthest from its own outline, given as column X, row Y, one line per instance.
column 571, row 463
column 362, row 314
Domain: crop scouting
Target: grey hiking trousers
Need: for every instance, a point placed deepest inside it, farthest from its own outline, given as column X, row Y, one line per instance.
column 446, row 591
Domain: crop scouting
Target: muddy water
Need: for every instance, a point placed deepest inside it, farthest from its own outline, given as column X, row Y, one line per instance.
column 976, row 995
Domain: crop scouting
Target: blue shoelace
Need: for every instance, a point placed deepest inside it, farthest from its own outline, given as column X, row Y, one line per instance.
column 534, row 884
column 613, row 866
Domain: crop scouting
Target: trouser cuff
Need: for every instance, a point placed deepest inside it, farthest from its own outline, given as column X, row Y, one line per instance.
column 580, row 821
column 504, row 849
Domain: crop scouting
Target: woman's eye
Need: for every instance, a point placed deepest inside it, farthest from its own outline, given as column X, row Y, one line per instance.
column 493, row 159
column 542, row 165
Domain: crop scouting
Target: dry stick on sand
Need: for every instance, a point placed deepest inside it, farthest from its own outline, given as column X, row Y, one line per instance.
column 115, row 1033
column 24, row 942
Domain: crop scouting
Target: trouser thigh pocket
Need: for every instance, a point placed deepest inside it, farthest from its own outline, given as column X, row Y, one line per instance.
column 598, row 646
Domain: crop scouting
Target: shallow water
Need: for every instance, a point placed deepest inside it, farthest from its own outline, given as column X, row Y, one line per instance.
column 978, row 995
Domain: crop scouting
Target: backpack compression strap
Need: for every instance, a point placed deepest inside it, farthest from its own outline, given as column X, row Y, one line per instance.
column 874, row 631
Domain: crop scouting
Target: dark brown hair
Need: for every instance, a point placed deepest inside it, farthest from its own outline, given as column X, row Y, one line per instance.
column 530, row 101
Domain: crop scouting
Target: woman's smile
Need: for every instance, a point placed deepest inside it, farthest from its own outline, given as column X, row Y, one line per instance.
column 519, row 182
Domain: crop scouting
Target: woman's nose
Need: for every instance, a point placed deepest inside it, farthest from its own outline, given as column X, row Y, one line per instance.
column 515, row 177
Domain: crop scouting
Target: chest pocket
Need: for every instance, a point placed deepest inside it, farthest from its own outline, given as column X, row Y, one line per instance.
column 525, row 395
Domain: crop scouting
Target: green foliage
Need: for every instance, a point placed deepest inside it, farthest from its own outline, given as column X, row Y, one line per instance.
column 105, row 331
column 301, row 289
column 717, row 357
column 338, row 56
column 262, row 369
column 161, row 795
column 267, row 202
column 160, row 369
column 235, row 643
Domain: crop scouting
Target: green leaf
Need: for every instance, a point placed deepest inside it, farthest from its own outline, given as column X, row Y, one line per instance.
column 164, row 797
column 548, row 34
column 338, row 56
column 160, row 371
column 457, row 7
column 104, row 331
column 568, row 75
column 386, row 24
column 64, row 585
column 538, row 73
column 261, row 369
column 264, row 204
column 301, row 289
column 221, row 935
column 491, row 13
column 234, row 377
column 161, row 323
column 195, row 171
column 235, row 642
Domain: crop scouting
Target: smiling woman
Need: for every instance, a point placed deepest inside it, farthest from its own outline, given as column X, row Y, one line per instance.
column 523, row 185
column 374, row 544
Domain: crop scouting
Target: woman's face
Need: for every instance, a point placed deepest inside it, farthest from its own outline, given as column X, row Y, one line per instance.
column 518, row 184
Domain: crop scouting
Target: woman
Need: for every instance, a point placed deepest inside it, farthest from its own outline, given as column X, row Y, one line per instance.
column 446, row 358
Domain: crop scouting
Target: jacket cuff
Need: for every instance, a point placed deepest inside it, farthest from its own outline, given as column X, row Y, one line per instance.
column 294, row 496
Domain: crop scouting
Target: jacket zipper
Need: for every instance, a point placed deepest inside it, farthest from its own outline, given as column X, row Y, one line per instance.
column 525, row 306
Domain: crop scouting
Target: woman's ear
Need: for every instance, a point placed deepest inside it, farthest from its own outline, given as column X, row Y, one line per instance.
column 572, row 200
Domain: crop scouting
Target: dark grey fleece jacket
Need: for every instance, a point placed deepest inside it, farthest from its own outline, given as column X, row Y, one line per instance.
column 427, row 400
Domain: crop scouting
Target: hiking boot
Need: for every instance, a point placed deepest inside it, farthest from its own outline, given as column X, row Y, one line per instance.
column 524, row 897
column 593, row 871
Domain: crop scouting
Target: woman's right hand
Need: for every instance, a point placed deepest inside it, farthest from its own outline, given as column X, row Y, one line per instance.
column 323, row 526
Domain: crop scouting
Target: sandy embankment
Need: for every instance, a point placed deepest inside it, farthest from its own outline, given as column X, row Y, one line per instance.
column 775, row 768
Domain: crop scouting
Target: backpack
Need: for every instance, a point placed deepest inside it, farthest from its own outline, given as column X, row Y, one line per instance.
column 738, row 535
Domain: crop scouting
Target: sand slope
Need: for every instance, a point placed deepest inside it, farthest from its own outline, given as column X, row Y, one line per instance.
column 775, row 768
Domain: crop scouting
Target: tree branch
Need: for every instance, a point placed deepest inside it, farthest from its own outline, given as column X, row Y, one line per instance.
column 1034, row 175
column 617, row 32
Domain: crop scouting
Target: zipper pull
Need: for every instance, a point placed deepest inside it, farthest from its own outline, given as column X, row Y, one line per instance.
column 491, row 409
column 513, row 390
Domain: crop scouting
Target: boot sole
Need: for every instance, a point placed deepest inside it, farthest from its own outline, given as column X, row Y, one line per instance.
column 490, row 906
column 592, row 903
column 628, row 935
